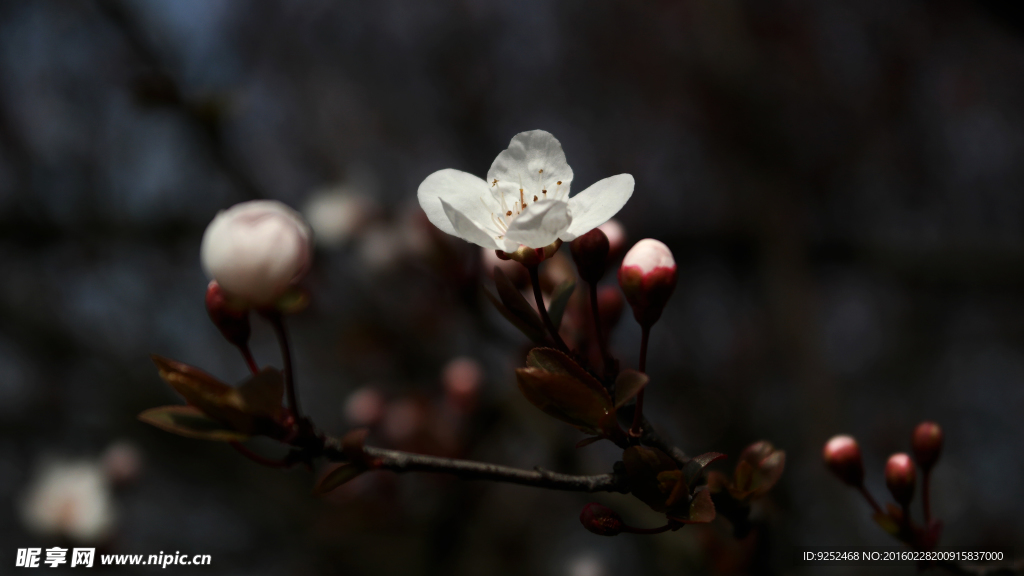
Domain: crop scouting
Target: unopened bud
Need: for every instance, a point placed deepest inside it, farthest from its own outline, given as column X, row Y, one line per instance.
column 900, row 476
column 648, row 277
column 590, row 252
column 927, row 444
column 462, row 378
column 232, row 319
column 616, row 238
column 842, row 456
column 601, row 520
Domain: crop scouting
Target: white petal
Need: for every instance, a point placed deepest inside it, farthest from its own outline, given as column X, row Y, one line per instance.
column 595, row 205
column 540, row 224
column 534, row 163
column 466, row 229
column 466, row 193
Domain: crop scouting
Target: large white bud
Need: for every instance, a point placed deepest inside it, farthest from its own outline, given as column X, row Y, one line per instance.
column 256, row 250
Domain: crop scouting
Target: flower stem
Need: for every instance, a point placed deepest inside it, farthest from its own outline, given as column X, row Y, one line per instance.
column 926, row 497
column 602, row 344
column 638, row 412
column 658, row 530
column 871, row 499
column 249, row 360
column 535, row 279
column 277, row 321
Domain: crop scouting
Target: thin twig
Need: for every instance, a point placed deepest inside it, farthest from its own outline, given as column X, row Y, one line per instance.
column 400, row 462
column 535, row 279
column 277, row 321
column 638, row 413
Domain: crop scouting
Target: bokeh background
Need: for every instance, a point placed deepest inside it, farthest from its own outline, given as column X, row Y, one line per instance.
column 841, row 184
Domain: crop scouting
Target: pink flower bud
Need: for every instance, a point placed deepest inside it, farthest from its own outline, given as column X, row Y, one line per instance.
column 648, row 277
column 590, row 252
column 927, row 444
column 230, row 318
column 842, row 456
column 900, row 476
column 257, row 250
column 365, row 407
column 601, row 520
column 616, row 238
column 122, row 463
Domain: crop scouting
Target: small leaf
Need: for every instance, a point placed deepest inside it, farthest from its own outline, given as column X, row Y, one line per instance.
column 559, row 300
column 190, row 422
column 538, row 335
column 668, row 479
column 565, row 398
column 337, row 477
column 551, row 360
column 643, row 468
column 767, row 474
column 263, row 393
column 628, row 385
column 514, row 301
column 696, row 465
column 700, row 511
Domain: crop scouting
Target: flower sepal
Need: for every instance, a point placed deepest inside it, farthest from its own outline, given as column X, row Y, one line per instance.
column 530, row 256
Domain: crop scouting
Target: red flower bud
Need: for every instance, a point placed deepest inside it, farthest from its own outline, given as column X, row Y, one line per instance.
column 230, row 318
column 648, row 277
column 842, row 456
column 590, row 252
column 601, row 520
column 900, row 477
column 927, row 444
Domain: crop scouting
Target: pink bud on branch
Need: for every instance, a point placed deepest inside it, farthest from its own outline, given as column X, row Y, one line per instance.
column 601, row 520
column 648, row 277
column 843, row 458
column 900, row 477
column 590, row 252
column 927, row 444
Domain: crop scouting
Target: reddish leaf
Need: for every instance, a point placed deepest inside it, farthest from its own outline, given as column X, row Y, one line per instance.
column 643, row 466
column 701, row 510
column 696, row 465
column 190, row 422
column 768, row 472
column 337, row 477
column 565, row 398
column 628, row 385
column 554, row 361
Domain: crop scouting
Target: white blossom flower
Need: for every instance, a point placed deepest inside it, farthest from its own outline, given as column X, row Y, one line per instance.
column 525, row 199
column 70, row 499
column 256, row 250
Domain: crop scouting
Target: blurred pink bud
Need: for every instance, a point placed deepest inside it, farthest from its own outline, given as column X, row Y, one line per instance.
column 256, row 250
column 601, row 520
column 462, row 378
column 122, row 461
column 842, row 456
column 231, row 319
column 590, row 252
column 648, row 277
column 616, row 235
column 403, row 420
column 364, row 407
column 900, row 477
column 927, row 444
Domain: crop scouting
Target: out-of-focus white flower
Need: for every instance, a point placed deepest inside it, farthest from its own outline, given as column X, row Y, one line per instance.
column 525, row 199
column 364, row 407
column 70, row 499
column 256, row 250
column 586, row 565
column 336, row 214
column 122, row 461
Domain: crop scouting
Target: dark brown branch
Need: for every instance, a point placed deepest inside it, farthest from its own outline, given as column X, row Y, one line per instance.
column 401, row 462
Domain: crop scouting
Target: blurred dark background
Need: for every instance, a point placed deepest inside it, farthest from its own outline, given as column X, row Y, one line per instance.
column 841, row 184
